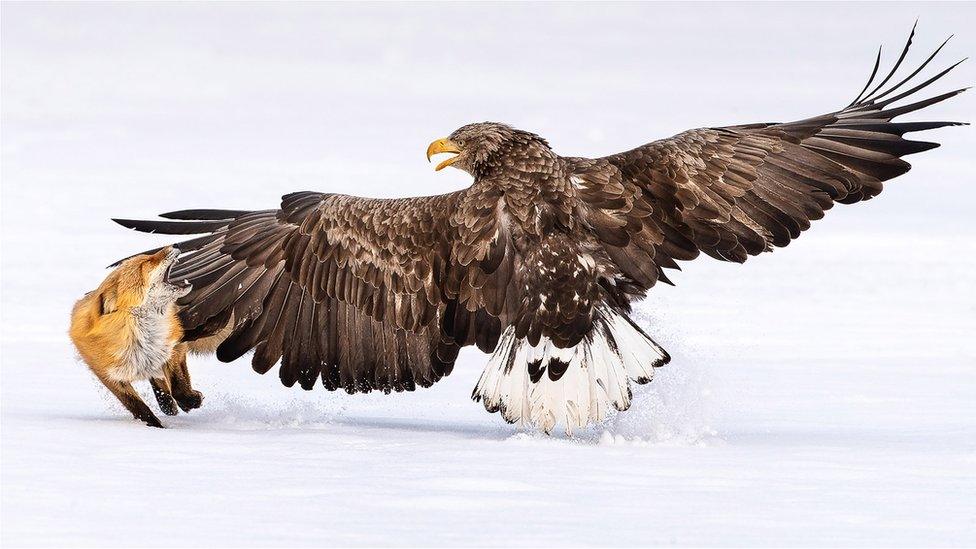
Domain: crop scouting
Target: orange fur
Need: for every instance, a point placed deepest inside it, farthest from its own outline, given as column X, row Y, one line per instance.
column 127, row 330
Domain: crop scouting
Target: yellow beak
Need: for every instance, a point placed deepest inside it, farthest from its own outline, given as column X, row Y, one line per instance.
column 443, row 146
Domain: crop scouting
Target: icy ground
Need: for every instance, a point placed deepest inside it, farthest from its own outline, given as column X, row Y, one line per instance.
column 821, row 395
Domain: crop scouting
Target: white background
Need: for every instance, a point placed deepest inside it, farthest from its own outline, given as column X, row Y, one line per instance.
column 821, row 395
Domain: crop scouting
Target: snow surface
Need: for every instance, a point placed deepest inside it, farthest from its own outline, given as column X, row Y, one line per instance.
column 821, row 395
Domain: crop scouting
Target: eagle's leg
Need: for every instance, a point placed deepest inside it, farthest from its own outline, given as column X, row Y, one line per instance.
column 544, row 385
column 572, row 353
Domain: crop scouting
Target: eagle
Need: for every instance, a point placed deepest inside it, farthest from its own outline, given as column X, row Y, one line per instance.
column 538, row 262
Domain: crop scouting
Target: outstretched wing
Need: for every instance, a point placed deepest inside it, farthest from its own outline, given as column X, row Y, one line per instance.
column 364, row 293
column 739, row 191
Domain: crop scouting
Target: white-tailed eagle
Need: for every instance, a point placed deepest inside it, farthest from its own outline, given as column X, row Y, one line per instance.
column 538, row 261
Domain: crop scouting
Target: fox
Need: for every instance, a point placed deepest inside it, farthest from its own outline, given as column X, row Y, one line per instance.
column 128, row 330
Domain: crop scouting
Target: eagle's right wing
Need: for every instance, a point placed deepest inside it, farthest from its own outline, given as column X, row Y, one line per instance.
column 364, row 293
column 738, row 191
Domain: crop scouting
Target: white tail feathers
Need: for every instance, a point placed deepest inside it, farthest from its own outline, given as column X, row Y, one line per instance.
column 546, row 386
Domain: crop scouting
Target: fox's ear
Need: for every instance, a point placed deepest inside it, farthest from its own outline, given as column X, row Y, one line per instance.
column 108, row 301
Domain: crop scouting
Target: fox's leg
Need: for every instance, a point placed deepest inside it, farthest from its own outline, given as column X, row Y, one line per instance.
column 179, row 379
column 161, row 389
column 130, row 399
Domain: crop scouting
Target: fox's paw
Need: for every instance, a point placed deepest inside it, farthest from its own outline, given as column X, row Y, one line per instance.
column 190, row 401
column 168, row 406
column 166, row 403
column 152, row 421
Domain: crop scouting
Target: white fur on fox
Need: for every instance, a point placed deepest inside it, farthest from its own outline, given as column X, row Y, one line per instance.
column 149, row 348
column 600, row 370
column 150, row 344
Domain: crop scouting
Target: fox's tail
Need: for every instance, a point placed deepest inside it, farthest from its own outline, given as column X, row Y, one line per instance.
column 546, row 386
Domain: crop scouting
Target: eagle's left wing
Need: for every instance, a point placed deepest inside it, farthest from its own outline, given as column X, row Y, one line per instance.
column 364, row 293
column 738, row 191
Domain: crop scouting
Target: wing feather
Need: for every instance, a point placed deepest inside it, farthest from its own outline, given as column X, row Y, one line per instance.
column 739, row 191
column 350, row 290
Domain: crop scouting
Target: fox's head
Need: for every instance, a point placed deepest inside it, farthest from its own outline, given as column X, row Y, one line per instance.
column 140, row 281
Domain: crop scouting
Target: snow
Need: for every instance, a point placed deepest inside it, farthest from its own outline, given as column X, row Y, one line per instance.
column 824, row 394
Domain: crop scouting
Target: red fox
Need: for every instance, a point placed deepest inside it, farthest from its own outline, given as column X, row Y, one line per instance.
column 127, row 330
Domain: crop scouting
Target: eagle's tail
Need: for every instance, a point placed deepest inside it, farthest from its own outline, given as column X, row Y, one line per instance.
column 546, row 386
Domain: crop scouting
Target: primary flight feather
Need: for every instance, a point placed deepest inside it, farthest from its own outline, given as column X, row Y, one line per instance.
column 537, row 262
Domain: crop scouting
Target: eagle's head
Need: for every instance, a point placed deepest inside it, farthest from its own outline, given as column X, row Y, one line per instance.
column 478, row 147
